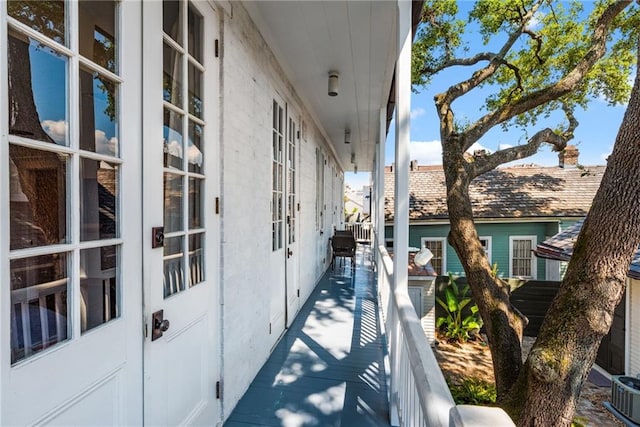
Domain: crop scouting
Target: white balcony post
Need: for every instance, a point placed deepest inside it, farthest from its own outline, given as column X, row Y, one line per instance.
column 401, row 207
column 382, row 137
column 403, row 113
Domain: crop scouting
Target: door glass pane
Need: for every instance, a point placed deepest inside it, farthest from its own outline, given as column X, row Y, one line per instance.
column 173, row 261
column 172, row 132
column 38, row 209
column 46, row 17
column 98, row 200
column 196, row 148
column 172, row 76
column 39, row 290
column 173, row 216
column 97, row 22
column 195, row 34
column 195, row 203
column 37, row 91
column 172, row 20
column 196, row 259
column 195, row 91
column 98, row 113
column 99, row 291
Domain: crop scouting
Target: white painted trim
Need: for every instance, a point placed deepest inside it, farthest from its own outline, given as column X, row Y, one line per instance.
column 627, row 327
column 534, row 263
column 489, row 250
column 443, row 241
column 382, row 135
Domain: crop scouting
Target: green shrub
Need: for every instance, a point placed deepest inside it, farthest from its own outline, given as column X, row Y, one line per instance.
column 454, row 326
column 473, row 391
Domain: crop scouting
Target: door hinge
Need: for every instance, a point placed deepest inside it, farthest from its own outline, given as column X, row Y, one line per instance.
column 298, row 206
column 217, row 48
column 298, row 293
column 269, row 328
column 217, row 205
column 146, row 330
column 218, row 390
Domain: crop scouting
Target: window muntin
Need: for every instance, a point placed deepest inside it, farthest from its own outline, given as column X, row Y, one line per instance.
column 62, row 176
column 277, row 167
column 291, row 181
column 438, row 248
column 184, row 179
column 522, row 263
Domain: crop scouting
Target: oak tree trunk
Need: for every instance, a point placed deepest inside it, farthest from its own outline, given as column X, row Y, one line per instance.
column 504, row 324
column 581, row 314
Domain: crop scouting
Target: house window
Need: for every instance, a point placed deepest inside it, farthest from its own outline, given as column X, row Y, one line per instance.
column 319, row 189
column 437, row 246
column 184, row 134
column 486, row 246
column 522, row 263
column 277, row 201
column 64, row 170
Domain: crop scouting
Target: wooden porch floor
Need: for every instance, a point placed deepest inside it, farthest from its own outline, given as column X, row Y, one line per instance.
column 328, row 369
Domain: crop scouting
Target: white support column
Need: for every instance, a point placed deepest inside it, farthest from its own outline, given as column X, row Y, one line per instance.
column 380, row 179
column 401, row 170
column 401, row 206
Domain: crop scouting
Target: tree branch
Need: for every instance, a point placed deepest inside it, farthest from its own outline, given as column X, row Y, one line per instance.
column 559, row 141
column 553, row 91
column 484, row 56
column 483, row 74
column 538, row 40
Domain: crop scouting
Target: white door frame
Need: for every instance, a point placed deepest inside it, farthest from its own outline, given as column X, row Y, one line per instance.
column 181, row 367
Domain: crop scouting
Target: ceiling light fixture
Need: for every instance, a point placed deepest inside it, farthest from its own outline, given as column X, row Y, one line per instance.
column 347, row 136
column 333, row 83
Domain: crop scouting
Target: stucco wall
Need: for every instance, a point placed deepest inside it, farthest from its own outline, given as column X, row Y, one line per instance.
column 251, row 79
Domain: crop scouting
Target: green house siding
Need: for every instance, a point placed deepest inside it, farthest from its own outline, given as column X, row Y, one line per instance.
column 499, row 233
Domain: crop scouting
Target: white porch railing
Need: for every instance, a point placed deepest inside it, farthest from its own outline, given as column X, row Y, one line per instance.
column 419, row 395
column 361, row 230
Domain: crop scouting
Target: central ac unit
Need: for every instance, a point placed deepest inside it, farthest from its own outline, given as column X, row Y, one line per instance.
column 625, row 396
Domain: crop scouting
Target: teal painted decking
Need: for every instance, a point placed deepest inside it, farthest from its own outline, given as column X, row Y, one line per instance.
column 328, row 368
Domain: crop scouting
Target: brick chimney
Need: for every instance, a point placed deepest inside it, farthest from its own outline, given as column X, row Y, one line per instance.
column 568, row 158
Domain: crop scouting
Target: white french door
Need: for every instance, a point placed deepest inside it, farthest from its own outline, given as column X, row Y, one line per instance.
column 180, row 243
column 292, row 220
column 70, row 258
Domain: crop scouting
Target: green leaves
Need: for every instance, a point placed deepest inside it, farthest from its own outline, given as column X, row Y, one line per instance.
column 454, row 326
column 533, row 44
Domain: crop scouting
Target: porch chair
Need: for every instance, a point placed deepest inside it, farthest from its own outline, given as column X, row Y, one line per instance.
column 343, row 245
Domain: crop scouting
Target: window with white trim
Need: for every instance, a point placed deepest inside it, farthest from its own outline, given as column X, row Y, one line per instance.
column 485, row 241
column 277, row 201
column 438, row 247
column 522, row 263
column 64, row 170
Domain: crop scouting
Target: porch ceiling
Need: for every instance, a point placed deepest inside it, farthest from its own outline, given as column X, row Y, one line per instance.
column 355, row 38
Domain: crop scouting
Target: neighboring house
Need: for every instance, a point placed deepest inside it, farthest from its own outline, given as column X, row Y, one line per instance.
column 172, row 174
column 514, row 208
column 619, row 352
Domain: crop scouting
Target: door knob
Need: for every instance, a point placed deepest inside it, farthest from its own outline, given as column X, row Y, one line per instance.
column 159, row 325
column 289, row 253
column 162, row 325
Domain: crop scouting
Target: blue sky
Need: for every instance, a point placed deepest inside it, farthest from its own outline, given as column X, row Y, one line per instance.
column 594, row 136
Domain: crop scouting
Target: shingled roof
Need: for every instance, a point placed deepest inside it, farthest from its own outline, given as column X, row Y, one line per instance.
column 526, row 191
column 560, row 247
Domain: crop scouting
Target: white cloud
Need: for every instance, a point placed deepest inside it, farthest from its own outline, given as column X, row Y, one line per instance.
column 105, row 145
column 607, row 153
column 426, row 152
column 504, row 146
column 477, row 147
column 418, row 112
column 57, row 130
